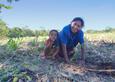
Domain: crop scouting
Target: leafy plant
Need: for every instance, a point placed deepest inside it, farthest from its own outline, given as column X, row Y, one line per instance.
column 41, row 46
column 33, row 42
column 15, row 75
column 12, row 44
column 15, row 79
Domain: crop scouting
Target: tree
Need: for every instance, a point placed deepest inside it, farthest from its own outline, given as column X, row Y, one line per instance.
column 11, row 0
column 3, row 29
column 43, row 32
column 15, row 32
column 90, row 31
column 5, row 6
column 109, row 29
column 28, row 32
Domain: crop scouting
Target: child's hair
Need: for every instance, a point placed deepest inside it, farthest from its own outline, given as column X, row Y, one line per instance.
column 54, row 31
column 79, row 19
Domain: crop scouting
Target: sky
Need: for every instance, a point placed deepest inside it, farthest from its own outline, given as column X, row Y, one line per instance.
column 55, row 14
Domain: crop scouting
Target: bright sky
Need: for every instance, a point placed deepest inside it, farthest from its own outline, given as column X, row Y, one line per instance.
column 58, row 13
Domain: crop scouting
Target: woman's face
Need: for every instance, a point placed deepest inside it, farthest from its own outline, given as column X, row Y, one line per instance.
column 53, row 35
column 76, row 26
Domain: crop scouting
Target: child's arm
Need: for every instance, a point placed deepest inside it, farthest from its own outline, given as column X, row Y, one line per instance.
column 48, row 44
column 47, row 50
column 55, row 52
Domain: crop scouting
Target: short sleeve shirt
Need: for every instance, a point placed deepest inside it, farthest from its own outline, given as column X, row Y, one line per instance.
column 71, row 40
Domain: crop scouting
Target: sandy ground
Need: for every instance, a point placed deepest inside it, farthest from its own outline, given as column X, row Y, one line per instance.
column 99, row 55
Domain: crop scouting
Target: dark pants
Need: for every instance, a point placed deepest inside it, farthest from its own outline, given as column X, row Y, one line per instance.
column 70, row 55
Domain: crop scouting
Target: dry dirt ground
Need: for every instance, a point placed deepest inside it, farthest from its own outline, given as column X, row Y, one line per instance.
column 25, row 65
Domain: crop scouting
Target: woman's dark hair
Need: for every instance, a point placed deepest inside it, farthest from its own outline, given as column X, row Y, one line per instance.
column 79, row 19
column 54, row 31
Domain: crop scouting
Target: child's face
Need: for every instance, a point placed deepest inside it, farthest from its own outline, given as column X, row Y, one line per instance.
column 53, row 35
column 76, row 26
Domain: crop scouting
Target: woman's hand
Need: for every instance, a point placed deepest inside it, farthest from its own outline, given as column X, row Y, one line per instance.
column 67, row 60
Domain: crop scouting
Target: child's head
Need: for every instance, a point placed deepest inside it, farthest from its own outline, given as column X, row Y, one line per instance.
column 76, row 24
column 53, row 34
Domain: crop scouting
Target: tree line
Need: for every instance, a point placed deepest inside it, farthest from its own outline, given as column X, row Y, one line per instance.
column 108, row 29
column 14, row 32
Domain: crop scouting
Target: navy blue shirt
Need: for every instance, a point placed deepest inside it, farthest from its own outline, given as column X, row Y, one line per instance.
column 71, row 39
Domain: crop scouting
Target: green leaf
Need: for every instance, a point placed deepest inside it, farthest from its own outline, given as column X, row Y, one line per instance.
column 28, row 77
column 15, row 79
column 8, row 7
column 4, row 79
column 4, row 6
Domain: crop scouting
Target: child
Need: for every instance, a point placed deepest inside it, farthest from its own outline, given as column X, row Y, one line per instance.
column 51, row 45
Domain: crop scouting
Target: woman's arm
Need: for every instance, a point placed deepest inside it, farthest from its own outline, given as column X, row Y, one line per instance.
column 82, row 52
column 65, row 53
